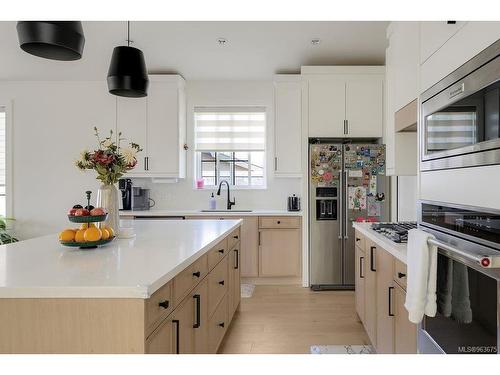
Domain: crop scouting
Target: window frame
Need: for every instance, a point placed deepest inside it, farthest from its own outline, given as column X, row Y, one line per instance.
column 9, row 206
column 197, row 169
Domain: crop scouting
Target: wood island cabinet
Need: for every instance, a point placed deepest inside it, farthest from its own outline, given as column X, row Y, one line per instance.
column 359, row 283
column 370, row 321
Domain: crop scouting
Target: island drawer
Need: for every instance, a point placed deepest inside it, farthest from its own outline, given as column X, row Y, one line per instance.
column 400, row 273
column 218, row 252
column 233, row 238
column 217, row 285
column 279, row 222
column 359, row 239
column 189, row 278
column 217, row 326
column 159, row 305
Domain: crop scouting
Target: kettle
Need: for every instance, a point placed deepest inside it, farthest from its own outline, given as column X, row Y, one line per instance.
column 293, row 203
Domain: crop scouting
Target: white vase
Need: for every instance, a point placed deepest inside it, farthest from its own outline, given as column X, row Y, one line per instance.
column 107, row 198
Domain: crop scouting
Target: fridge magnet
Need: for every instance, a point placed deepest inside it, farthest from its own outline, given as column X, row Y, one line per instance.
column 327, row 177
column 380, row 197
column 373, row 185
column 360, row 163
column 357, row 198
column 374, row 207
column 355, row 173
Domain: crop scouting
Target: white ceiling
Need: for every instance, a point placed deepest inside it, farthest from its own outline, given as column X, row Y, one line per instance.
column 255, row 50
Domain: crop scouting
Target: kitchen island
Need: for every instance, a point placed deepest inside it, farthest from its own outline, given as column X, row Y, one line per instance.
column 172, row 289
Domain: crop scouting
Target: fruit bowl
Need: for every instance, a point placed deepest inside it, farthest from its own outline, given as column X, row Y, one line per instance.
column 87, row 245
column 87, row 219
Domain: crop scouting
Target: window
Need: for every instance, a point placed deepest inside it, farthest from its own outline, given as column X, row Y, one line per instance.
column 3, row 197
column 230, row 145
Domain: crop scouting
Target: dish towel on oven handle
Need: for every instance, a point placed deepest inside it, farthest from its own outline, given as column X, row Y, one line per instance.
column 421, row 276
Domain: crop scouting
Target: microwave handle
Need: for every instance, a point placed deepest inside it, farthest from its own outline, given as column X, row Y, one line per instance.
column 483, row 261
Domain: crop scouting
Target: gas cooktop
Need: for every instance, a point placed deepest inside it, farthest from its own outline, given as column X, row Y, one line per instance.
column 396, row 232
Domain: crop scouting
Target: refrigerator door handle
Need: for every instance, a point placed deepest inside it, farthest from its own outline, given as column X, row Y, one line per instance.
column 345, row 208
column 340, row 208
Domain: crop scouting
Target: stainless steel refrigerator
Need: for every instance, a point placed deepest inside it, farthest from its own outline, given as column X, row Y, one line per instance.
column 347, row 182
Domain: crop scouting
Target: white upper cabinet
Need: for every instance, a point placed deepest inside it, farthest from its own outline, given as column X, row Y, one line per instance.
column 158, row 124
column 434, row 34
column 288, row 125
column 326, row 107
column 460, row 45
column 364, row 107
column 344, row 101
column 404, row 42
column 131, row 121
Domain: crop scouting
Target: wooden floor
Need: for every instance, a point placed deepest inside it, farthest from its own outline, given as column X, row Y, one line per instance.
column 289, row 319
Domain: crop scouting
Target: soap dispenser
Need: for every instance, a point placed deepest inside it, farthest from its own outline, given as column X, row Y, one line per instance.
column 212, row 202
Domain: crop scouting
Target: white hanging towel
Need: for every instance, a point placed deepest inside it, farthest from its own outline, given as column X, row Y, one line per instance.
column 421, row 279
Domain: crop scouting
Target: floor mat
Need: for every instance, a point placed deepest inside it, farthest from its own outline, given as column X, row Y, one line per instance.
column 342, row 349
column 247, row 290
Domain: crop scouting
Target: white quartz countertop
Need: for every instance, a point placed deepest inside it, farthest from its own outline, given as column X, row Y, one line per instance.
column 125, row 268
column 398, row 250
column 235, row 212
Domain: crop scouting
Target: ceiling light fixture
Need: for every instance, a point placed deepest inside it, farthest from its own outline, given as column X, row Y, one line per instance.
column 127, row 74
column 54, row 40
column 315, row 41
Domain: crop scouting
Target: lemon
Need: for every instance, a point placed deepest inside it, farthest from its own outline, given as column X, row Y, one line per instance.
column 87, row 225
column 110, row 230
column 105, row 234
column 79, row 236
column 67, row 235
column 92, row 234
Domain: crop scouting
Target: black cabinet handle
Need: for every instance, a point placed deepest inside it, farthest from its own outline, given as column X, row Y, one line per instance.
column 221, row 251
column 176, row 322
column 401, row 275
column 236, row 237
column 164, row 304
column 361, row 260
column 279, row 222
column 372, row 258
column 197, row 274
column 221, row 282
column 197, row 298
column 390, row 301
column 358, row 239
column 237, row 265
column 221, row 324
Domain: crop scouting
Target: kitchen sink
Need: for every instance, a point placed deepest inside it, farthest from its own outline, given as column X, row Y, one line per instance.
column 226, row 210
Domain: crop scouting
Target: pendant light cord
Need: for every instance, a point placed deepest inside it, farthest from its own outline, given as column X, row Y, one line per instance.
column 128, row 33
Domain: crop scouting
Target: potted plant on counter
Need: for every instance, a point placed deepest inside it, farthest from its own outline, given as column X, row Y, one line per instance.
column 111, row 162
column 5, row 236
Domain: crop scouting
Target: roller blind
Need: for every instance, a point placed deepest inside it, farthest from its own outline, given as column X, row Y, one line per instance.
column 230, row 129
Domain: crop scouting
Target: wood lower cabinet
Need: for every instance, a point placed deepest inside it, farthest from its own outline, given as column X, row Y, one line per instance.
column 385, row 294
column 380, row 296
column 405, row 332
column 279, row 252
column 200, row 319
column 371, row 291
column 359, row 282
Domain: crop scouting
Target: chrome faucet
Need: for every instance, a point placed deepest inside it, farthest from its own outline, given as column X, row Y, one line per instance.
column 229, row 202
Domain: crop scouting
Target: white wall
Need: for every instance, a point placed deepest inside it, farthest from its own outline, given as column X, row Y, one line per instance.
column 53, row 121
column 407, row 198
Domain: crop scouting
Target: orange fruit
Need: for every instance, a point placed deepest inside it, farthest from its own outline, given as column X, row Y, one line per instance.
column 67, row 235
column 110, row 230
column 87, row 225
column 92, row 234
column 80, row 235
column 105, row 234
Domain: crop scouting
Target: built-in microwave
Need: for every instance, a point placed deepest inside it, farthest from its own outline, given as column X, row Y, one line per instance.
column 459, row 121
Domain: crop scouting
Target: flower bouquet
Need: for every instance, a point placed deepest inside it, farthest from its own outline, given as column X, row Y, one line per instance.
column 111, row 162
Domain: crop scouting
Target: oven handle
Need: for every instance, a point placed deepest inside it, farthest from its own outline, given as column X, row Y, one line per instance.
column 483, row 261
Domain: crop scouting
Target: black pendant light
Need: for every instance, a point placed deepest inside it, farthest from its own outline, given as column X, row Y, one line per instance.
column 127, row 75
column 55, row 40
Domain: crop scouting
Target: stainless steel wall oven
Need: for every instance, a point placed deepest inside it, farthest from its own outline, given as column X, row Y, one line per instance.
column 459, row 120
column 468, row 279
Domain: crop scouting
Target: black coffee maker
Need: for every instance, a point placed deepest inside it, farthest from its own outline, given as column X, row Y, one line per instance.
column 125, row 185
